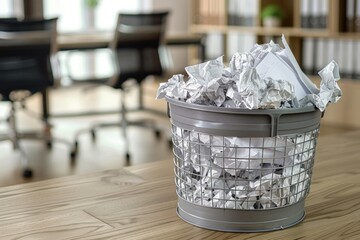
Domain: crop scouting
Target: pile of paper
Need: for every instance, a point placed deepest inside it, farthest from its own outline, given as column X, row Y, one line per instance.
column 242, row 173
column 266, row 77
column 248, row 173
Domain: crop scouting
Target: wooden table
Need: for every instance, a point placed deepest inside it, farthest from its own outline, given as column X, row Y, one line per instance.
column 139, row 203
column 93, row 40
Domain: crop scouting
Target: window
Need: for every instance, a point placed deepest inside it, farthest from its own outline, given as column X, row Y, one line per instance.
column 76, row 15
column 107, row 11
column 6, row 9
column 70, row 14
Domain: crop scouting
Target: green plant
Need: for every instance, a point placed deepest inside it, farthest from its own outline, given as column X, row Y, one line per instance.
column 92, row 3
column 272, row 10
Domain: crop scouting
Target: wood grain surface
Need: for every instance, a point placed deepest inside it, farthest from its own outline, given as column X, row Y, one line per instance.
column 139, row 202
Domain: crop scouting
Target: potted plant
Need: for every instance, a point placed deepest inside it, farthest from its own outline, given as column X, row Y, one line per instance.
column 90, row 12
column 92, row 3
column 272, row 15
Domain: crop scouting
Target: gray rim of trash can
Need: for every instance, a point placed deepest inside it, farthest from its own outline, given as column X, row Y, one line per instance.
column 220, row 121
column 240, row 220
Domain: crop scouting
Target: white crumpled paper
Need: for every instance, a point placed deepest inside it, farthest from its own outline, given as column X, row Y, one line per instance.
column 281, row 84
column 248, row 173
column 243, row 173
column 329, row 89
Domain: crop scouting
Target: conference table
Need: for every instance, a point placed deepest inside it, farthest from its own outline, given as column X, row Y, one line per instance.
column 93, row 40
column 139, row 202
column 97, row 40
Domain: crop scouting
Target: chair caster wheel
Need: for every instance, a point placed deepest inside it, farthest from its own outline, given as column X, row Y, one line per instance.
column 157, row 134
column 93, row 135
column 27, row 173
column 73, row 156
column 74, row 152
column 49, row 144
column 127, row 157
column 76, row 146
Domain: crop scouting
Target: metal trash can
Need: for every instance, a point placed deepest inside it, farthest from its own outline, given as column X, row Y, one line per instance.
column 242, row 170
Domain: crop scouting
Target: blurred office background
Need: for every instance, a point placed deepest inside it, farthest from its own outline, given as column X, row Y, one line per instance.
column 318, row 31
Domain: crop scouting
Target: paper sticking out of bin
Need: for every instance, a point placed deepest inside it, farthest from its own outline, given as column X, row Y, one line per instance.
column 273, row 66
column 267, row 77
column 308, row 83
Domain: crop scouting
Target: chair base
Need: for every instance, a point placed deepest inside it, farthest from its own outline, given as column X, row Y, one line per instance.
column 15, row 137
column 27, row 171
column 145, row 123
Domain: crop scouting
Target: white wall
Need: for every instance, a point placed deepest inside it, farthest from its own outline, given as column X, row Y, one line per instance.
column 178, row 19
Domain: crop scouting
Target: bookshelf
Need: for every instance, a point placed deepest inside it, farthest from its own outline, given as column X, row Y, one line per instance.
column 329, row 21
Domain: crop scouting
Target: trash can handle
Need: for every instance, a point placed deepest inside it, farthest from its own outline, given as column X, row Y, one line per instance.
column 274, row 124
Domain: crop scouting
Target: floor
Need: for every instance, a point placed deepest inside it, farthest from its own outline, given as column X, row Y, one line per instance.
column 106, row 152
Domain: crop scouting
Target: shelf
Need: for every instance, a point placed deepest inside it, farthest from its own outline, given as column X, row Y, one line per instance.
column 306, row 43
column 346, row 35
column 278, row 31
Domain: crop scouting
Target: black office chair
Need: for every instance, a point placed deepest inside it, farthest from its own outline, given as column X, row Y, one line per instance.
column 139, row 52
column 26, row 56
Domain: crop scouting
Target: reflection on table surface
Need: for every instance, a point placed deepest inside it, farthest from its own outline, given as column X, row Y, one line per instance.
column 86, row 40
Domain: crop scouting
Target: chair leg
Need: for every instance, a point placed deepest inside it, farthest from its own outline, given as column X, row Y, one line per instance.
column 14, row 138
column 47, row 125
column 124, row 126
column 27, row 171
column 47, row 133
column 157, row 130
column 75, row 148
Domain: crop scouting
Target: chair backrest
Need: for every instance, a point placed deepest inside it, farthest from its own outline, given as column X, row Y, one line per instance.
column 139, row 44
column 25, row 52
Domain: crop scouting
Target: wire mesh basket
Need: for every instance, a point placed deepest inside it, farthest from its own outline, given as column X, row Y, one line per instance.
column 235, row 172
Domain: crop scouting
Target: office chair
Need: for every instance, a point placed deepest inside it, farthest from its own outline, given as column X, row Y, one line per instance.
column 26, row 51
column 138, row 51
